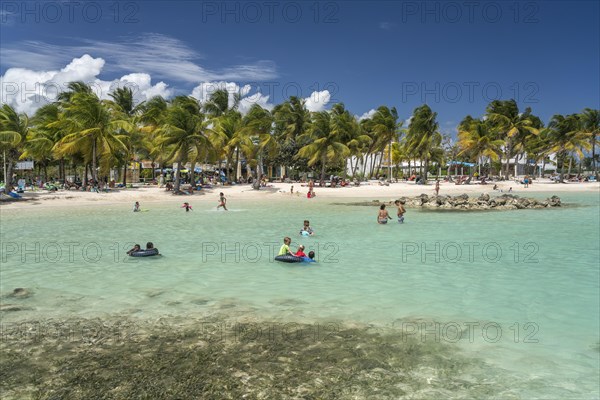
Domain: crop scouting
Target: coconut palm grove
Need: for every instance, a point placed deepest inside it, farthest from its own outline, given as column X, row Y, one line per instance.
column 82, row 135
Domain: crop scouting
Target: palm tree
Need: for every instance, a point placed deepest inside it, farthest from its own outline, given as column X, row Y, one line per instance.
column 90, row 127
column 226, row 136
column 43, row 136
column 538, row 148
column 567, row 138
column 423, row 137
column 256, row 139
column 512, row 125
column 183, row 133
column 124, row 108
column 590, row 123
column 325, row 145
column 477, row 138
column 291, row 120
column 387, row 130
column 13, row 131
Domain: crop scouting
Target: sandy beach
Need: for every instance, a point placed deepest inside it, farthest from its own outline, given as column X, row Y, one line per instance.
column 280, row 191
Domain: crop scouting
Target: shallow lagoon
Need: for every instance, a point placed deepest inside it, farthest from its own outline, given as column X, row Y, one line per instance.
column 521, row 286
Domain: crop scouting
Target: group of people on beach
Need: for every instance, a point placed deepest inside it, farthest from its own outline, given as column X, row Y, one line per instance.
column 384, row 216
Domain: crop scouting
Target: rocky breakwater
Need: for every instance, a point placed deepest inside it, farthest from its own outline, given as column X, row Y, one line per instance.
column 464, row 202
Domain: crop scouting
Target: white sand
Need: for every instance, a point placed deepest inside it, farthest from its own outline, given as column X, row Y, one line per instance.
column 371, row 191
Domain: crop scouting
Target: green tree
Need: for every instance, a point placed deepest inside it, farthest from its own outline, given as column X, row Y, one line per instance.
column 423, row 138
column 14, row 128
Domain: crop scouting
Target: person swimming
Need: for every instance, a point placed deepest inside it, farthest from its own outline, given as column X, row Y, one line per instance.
column 136, row 206
column 222, row 201
column 383, row 216
column 285, row 248
column 134, row 249
column 401, row 210
column 306, row 228
column 187, row 206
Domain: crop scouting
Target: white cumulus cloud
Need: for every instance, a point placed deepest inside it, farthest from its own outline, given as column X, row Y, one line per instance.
column 318, row 100
column 26, row 90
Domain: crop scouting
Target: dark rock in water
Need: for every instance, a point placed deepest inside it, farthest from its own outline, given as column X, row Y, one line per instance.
column 13, row 307
column 463, row 202
column 200, row 302
column 21, row 293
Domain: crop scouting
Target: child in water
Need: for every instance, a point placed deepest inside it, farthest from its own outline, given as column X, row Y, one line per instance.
column 222, row 201
column 285, row 248
column 300, row 252
column 187, row 206
column 306, row 228
column 136, row 206
column 401, row 210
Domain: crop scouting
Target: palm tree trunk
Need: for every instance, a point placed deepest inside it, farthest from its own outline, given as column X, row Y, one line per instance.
column 177, row 175
column 125, row 174
column 192, row 173
column 570, row 161
column 594, row 166
column 94, row 161
column 8, row 174
column 355, row 168
column 238, row 164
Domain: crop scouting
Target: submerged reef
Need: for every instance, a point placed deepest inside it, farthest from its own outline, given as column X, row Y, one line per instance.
column 182, row 359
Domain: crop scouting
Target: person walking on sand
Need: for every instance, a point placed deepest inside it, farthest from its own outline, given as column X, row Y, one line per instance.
column 437, row 187
column 401, row 210
column 222, row 201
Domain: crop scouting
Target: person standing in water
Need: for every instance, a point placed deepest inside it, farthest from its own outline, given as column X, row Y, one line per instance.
column 187, row 206
column 306, row 228
column 437, row 187
column 401, row 210
column 383, row 216
column 136, row 206
column 222, row 201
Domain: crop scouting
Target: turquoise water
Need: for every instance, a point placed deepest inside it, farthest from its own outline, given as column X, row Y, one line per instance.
column 522, row 285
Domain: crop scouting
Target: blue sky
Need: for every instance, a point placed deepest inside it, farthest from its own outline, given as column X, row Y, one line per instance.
column 454, row 56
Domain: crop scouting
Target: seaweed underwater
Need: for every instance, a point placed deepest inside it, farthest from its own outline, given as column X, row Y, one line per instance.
column 172, row 359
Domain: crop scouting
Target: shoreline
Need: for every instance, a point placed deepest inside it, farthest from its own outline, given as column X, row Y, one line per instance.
column 281, row 191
